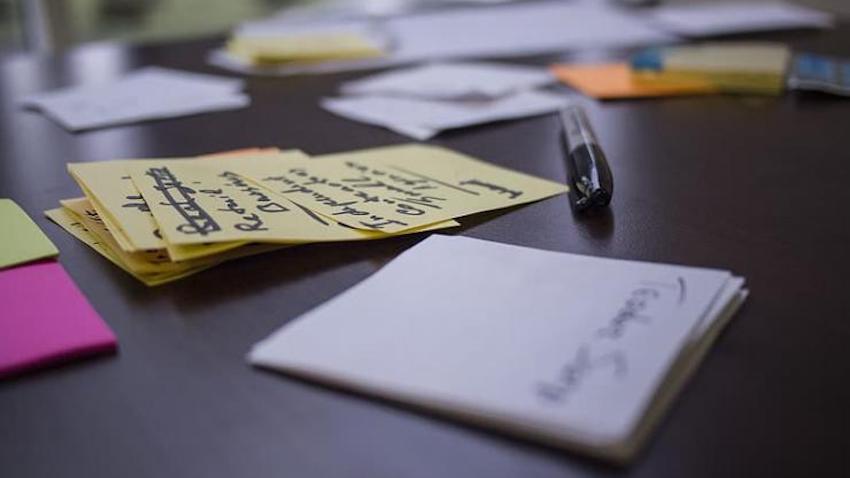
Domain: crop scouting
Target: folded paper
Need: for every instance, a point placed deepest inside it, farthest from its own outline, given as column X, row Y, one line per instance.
column 451, row 81
column 424, row 118
column 149, row 93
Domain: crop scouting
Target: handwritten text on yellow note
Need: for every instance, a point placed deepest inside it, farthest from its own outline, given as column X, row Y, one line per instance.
column 123, row 210
column 73, row 224
column 396, row 188
column 143, row 262
column 209, row 201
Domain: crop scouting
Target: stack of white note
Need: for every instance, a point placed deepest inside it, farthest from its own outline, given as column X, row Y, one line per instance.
column 149, row 93
column 728, row 17
column 422, row 101
column 573, row 351
column 510, row 29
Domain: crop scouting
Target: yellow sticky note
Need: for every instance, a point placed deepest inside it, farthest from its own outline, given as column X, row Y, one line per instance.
column 308, row 47
column 143, row 262
column 396, row 188
column 616, row 81
column 196, row 201
column 753, row 58
column 744, row 83
column 109, row 220
column 73, row 225
column 134, row 215
column 124, row 212
column 119, row 204
column 21, row 240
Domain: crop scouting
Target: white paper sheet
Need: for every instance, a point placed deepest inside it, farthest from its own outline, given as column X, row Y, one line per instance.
column 494, row 31
column 563, row 348
column 452, row 81
column 422, row 119
column 149, row 93
column 717, row 18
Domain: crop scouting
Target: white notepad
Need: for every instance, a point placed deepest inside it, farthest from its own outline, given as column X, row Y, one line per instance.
column 574, row 351
column 518, row 28
column 145, row 94
column 452, row 81
column 423, row 119
column 726, row 17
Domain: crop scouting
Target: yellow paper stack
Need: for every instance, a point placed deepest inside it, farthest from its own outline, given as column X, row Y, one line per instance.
column 711, row 68
column 731, row 67
column 309, row 46
column 164, row 219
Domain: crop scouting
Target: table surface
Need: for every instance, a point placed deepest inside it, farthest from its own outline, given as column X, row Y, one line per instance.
column 755, row 185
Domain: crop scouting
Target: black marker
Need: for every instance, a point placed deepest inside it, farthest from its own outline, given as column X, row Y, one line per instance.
column 590, row 177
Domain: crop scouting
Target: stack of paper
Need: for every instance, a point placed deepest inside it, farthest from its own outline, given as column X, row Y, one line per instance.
column 513, row 29
column 164, row 219
column 739, row 67
column 45, row 318
column 451, row 81
column 296, row 45
column 422, row 101
column 609, row 81
column 573, row 351
column 149, row 93
column 720, row 18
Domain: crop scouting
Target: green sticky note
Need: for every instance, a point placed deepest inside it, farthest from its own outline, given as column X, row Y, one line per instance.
column 20, row 239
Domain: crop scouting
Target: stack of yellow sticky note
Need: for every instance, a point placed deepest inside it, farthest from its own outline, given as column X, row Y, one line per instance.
column 731, row 67
column 615, row 81
column 307, row 46
column 163, row 219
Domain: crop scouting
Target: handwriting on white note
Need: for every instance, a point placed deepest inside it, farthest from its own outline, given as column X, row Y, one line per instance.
column 601, row 352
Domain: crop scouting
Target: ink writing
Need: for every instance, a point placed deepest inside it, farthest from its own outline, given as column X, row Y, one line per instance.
column 181, row 199
column 574, row 372
column 631, row 311
column 600, row 353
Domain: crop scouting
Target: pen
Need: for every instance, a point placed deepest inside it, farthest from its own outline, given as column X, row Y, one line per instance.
column 590, row 177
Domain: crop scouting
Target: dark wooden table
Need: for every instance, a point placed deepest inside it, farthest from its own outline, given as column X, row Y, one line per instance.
column 760, row 186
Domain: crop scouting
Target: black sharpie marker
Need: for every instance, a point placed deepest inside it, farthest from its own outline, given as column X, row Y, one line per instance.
column 590, row 177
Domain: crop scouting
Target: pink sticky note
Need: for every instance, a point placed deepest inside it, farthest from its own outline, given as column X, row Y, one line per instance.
column 45, row 319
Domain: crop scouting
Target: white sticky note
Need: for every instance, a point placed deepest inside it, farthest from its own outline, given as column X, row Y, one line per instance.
column 422, row 119
column 512, row 29
column 452, row 81
column 149, row 93
column 718, row 18
column 566, row 349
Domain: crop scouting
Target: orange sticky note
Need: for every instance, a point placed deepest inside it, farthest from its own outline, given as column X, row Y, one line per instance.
column 614, row 80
